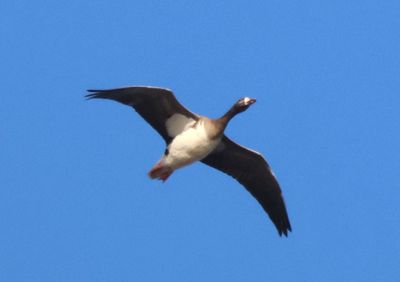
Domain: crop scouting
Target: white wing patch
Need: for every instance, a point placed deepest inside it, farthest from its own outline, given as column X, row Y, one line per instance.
column 178, row 123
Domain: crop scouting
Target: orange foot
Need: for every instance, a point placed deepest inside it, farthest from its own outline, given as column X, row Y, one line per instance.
column 165, row 176
column 160, row 172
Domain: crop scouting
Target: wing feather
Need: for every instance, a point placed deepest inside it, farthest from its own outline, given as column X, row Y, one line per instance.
column 155, row 105
column 253, row 172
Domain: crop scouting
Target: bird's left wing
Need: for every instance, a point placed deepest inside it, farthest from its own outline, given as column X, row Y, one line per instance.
column 155, row 105
column 253, row 172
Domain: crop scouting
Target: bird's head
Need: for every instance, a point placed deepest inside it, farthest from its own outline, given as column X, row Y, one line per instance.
column 243, row 104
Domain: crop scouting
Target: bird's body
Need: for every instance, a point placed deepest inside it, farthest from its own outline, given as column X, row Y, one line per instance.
column 191, row 145
column 190, row 138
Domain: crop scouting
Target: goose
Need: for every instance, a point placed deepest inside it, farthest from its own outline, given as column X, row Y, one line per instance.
column 190, row 137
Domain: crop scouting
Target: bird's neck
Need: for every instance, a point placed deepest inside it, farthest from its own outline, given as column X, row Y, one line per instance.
column 228, row 116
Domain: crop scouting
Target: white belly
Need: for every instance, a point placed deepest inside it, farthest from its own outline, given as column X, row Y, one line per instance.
column 191, row 145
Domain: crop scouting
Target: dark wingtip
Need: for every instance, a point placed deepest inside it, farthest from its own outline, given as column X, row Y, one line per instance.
column 93, row 94
column 90, row 96
column 95, row 90
column 285, row 229
column 282, row 232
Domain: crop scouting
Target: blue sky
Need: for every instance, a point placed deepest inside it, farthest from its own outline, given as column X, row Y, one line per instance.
column 75, row 201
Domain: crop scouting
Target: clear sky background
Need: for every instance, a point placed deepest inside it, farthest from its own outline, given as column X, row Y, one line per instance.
column 75, row 201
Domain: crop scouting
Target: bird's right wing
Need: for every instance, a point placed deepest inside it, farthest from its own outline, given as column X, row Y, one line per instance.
column 253, row 172
column 155, row 105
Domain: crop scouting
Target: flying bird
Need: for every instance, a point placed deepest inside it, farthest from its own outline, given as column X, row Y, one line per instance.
column 190, row 137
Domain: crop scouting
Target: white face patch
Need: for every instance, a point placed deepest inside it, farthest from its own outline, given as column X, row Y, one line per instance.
column 246, row 100
column 178, row 123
